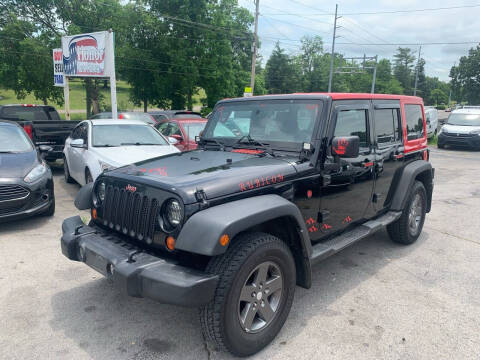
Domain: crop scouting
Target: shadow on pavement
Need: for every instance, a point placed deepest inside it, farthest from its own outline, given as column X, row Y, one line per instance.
column 108, row 324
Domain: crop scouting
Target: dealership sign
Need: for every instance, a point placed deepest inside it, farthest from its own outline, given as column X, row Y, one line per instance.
column 58, row 78
column 88, row 54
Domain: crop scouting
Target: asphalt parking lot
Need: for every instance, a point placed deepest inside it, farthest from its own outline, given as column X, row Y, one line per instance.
column 375, row 300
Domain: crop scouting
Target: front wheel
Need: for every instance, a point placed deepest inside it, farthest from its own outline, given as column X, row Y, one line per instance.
column 407, row 229
column 253, row 296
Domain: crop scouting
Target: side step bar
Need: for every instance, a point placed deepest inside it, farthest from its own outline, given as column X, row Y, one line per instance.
column 340, row 242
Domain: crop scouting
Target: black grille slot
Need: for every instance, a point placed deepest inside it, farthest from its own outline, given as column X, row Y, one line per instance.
column 13, row 192
column 130, row 213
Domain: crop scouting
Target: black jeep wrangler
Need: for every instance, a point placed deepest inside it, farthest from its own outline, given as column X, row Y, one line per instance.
column 277, row 184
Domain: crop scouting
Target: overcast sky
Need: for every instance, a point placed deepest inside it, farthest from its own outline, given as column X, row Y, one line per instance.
column 289, row 20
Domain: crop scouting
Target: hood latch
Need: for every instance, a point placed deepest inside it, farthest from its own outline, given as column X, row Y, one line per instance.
column 201, row 198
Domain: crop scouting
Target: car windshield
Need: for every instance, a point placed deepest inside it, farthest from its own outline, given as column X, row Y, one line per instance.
column 128, row 134
column 187, row 116
column 193, row 129
column 13, row 139
column 464, row 119
column 278, row 123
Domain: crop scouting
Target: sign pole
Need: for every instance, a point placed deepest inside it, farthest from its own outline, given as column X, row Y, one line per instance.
column 113, row 81
column 66, row 97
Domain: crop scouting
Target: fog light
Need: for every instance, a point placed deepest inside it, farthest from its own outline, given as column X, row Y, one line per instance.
column 170, row 243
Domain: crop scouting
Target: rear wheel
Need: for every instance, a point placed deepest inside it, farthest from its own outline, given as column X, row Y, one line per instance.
column 440, row 146
column 66, row 172
column 407, row 229
column 253, row 296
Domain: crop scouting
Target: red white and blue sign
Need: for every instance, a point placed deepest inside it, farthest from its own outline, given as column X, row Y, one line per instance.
column 58, row 78
column 87, row 54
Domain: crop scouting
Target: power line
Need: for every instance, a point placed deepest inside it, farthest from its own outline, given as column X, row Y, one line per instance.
column 414, row 44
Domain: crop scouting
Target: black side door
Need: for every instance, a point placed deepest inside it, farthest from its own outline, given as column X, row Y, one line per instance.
column 346, row 190
column 389, row 150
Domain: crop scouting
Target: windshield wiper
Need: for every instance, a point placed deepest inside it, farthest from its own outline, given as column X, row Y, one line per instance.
column 139, row 143
column 8, row 152
column 105, row 145
column 252, row 141
column 222, row 146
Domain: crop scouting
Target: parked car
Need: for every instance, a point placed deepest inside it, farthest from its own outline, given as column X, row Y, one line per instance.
column 183, row 131
column 461, row 129
column 42, row 124
column 162, row 115
column 233, row 226
column 431, row 115
column 129, row 115
column 26, row 184
column 98, row 145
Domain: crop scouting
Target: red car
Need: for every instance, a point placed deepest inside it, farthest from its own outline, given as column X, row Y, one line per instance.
column 183, row 130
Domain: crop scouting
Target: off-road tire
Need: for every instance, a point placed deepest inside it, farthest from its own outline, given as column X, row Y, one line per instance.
column 400, row 231
column 66, row 172
column 220, row 318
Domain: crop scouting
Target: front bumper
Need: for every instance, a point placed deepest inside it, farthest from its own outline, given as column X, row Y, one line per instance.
column 39, row 199
column 460, row 140
column 138, row 273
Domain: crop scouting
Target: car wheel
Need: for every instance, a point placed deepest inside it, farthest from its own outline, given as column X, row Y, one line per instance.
column 407, row 229
column 51, row 209
column 254, row 294
column 66, row 172
column 88, row 176
column 440, row 146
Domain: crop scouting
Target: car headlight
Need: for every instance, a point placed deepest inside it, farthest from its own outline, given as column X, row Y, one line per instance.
column 105, row 166
column 101, row 191
column 36, row 173
column 172, row 214
column 475, row 132
column 442, row 130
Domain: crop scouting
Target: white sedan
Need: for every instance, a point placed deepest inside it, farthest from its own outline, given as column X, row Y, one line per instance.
column 98, row 145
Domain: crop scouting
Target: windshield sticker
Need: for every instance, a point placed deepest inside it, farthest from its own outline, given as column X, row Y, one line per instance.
column 260, row 182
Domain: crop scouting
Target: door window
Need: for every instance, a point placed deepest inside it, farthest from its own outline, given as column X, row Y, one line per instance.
column 353, row 123
column 414, row 120
column 386, row 126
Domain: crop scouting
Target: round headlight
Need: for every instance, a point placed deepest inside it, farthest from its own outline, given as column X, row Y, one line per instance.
column 173, row 212
column 101, row 191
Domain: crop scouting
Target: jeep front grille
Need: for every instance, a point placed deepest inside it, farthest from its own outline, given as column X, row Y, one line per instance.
column 13, row 192
column 130, row 213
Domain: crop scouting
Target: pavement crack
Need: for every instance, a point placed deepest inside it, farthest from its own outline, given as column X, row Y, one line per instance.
column 455, row 236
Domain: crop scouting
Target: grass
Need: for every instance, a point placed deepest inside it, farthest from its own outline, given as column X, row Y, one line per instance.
column 78, row 102
column 433, row 140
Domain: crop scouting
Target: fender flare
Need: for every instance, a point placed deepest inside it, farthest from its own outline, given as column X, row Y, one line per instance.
column 409, row 174
column 83, row 200
column 201, row 233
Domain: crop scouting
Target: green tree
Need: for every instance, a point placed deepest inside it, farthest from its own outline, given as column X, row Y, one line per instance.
column 282, row 73
column 439, row 96
column 466, row 77
column 403, row 68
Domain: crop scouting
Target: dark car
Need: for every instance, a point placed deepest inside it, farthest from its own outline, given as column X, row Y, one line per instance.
column 162, row 115
column 42, row 124
column 130, row 115
column 277, row 184
column 183, row 130
column 26, row 184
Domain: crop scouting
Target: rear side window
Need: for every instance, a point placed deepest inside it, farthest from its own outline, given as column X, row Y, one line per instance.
column 386, row 126
column 24, row 113
column 414, row 120
column 352, row 123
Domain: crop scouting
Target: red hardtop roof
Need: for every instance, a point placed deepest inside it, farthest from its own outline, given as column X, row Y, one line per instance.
column 366, row 96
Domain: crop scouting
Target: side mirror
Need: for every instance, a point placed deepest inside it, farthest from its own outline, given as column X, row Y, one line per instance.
column 172, row 140
column 78, row 143
column 197, row 139
column 346, row 146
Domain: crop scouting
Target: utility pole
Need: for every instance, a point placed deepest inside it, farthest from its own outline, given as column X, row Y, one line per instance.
column 374, row 75
column 333, row 50
column 255, row 44
column 416, row 71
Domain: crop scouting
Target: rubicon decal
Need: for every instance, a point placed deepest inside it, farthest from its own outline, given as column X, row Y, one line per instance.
column 130, row 188
column 342, row 146
column 261, row 182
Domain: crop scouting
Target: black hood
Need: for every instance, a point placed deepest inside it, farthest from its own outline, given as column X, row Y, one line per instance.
column 217, row 173
column 17, row 165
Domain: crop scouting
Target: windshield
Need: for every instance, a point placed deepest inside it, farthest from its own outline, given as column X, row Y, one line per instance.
column 282, row 123
column 118, row 135
column 193, row 129
column 464, row 119
column 13, row 139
